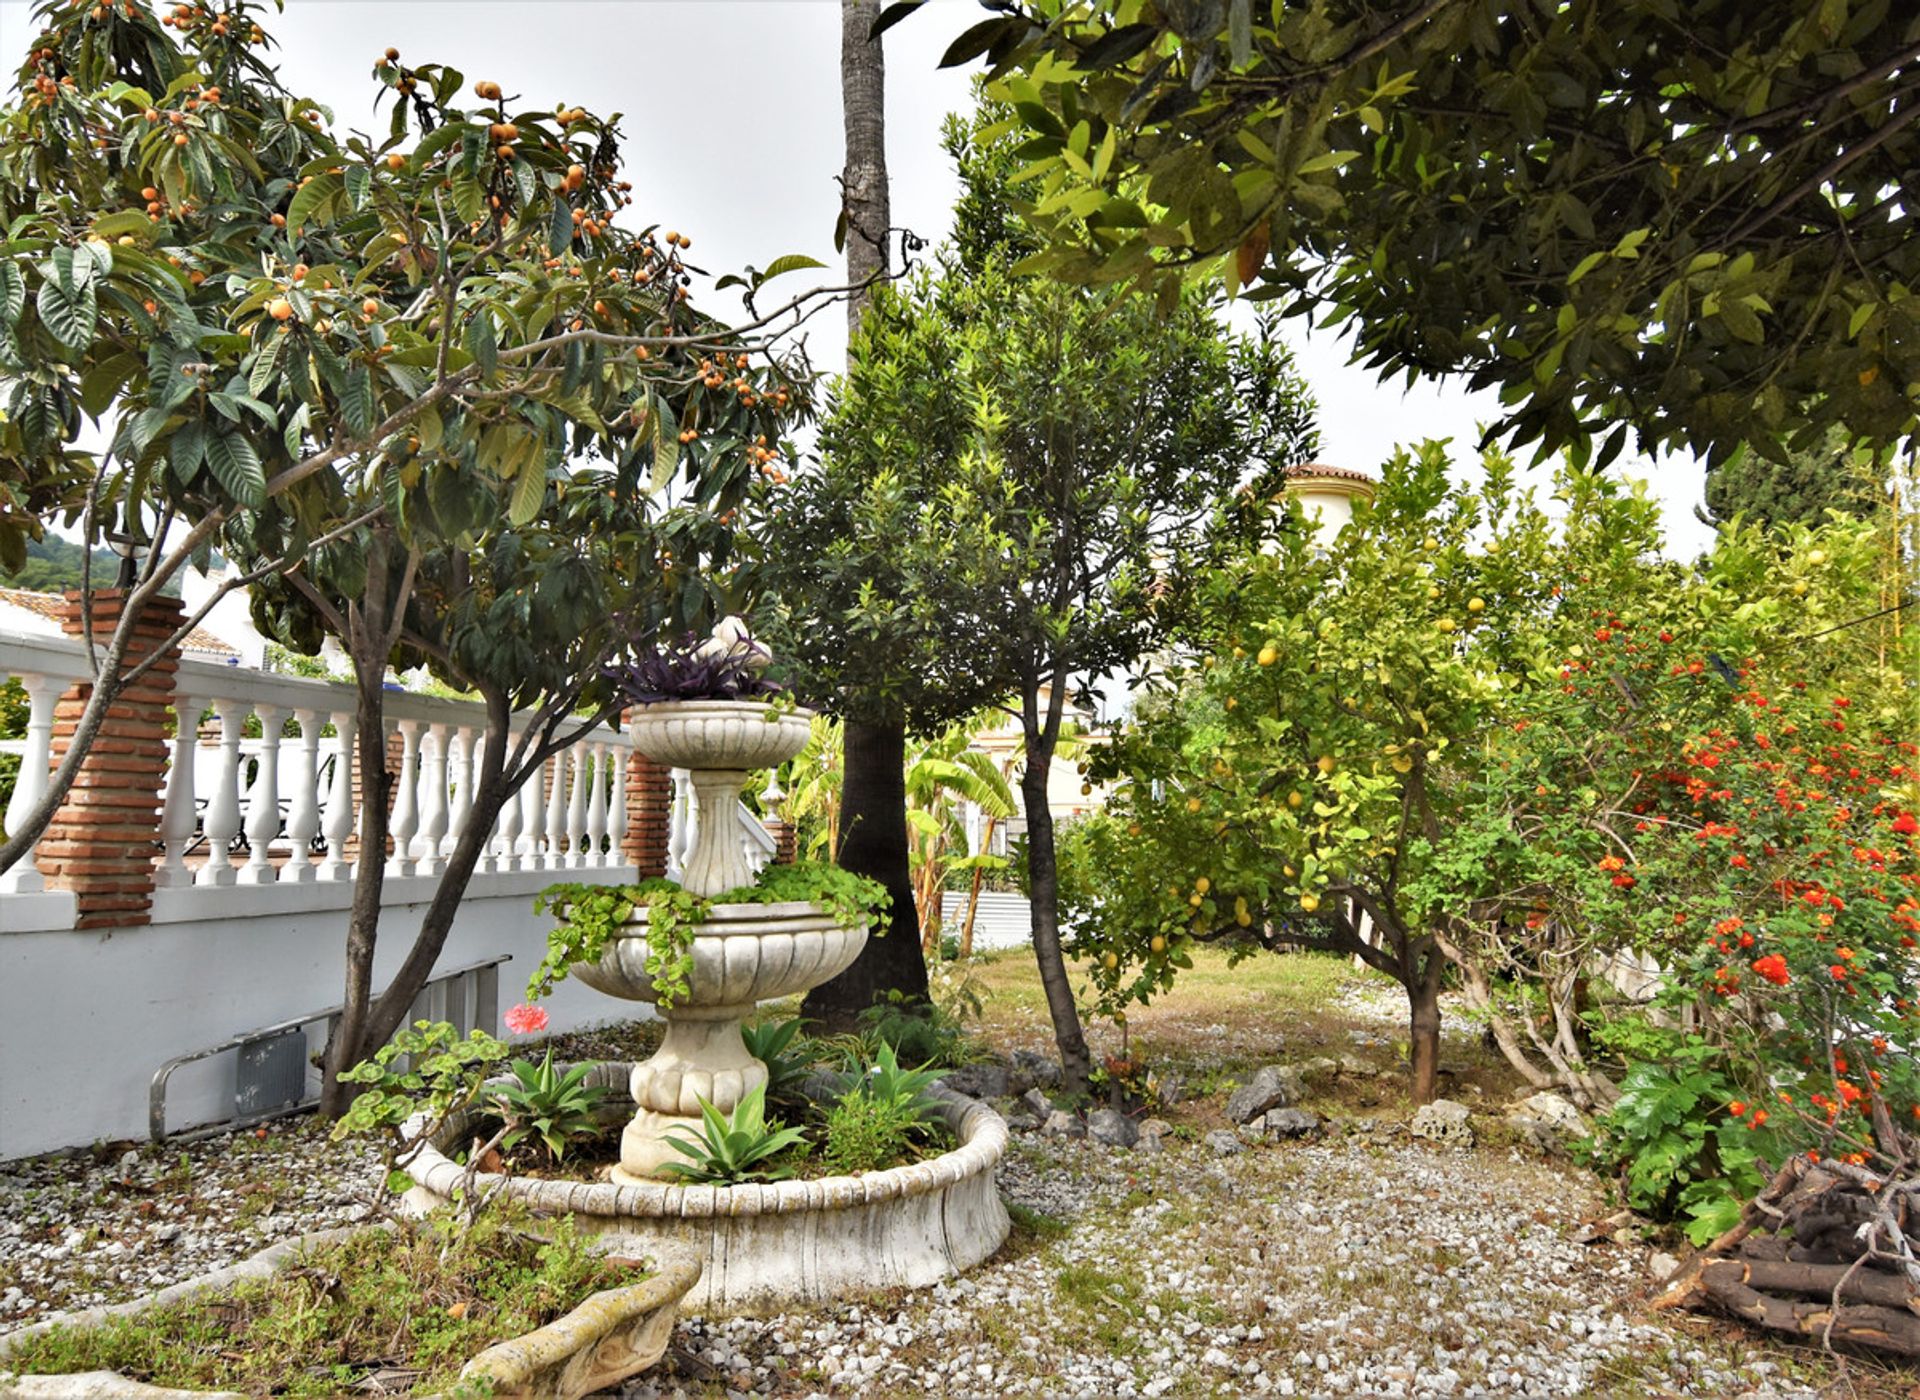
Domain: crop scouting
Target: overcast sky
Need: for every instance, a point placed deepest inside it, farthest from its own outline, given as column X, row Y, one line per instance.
column 733, row 137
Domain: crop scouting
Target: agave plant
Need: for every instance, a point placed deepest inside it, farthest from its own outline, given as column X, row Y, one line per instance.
column 739, row 1146
column 771, row 1043
column 542, row 1102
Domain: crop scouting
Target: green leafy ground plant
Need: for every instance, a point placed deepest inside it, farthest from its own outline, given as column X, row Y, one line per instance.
column 545, row 1104
column 429, row 1295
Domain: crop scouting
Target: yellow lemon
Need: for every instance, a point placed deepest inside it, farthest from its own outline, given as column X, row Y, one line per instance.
column 1109, row 961
column 1267, row 656
column 1203, row 884
column 1433, row 590
column 1325, row 763
column 1158, row 944
column 1195, row 900
column 1294, row 799
column 1443, row 624
column 1475, row 605
column 1403, row 764
column 1816, row 557
column 1309, row 902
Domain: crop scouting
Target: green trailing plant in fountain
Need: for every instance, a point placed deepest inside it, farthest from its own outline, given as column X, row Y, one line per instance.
column 735, row 1147
column 550, row 1105
column 592, row 916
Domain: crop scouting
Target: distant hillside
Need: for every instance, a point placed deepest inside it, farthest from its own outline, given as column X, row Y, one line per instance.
column 54, row 564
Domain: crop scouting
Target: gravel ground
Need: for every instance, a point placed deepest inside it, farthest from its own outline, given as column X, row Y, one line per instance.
column 1350, row 1267
column 1365, row 1263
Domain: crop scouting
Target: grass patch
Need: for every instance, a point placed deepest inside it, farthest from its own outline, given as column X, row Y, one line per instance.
column 422, row 1299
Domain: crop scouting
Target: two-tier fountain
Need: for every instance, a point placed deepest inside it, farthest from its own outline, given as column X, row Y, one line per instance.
column 760, row 1243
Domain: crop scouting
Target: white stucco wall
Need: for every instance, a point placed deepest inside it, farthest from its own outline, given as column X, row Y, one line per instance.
column 87, row 1017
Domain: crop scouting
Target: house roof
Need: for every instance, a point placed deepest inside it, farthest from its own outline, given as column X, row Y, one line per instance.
column 51, row 606
column 1302, row 470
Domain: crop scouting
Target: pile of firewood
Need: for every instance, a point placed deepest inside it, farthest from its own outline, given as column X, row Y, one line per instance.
column 1829, row 1251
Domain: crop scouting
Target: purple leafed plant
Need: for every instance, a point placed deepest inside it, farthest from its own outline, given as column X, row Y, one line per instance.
column 693, row 669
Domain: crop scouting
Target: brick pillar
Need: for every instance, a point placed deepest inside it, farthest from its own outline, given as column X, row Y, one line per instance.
column 785, row 840
column 649, row 815
column 100, row 844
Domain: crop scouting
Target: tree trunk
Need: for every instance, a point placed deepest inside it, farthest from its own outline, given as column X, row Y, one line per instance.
column 873, row 842
column 345, row 1050
column 865, row 202
column 492, row 791
column 1043, row 892
column 1423, row 1024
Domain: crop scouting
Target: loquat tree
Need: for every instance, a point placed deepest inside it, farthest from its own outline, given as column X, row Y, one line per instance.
column 362, row 369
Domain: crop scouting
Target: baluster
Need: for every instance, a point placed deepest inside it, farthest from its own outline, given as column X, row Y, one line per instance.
column 677, row 825
column 462, row 762
column 221, row 822
column 433, row 802
column 617, row 804
column 303, row 815
column 597, row 809
column 532, row 805
column 505, row 847
column 406, row 811
column 36, row 765
column 340, row 804
column 577, row 810
column 177, row 818
column 263, row 807
column 556, row 828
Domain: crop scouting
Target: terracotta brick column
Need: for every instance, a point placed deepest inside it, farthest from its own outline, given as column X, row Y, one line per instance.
column 785, row 840
column 649, row 815
column 100, row 844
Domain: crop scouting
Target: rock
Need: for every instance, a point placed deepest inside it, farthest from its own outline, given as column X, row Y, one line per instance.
column 1290, row 1123
column 1443, row 1121
column 1035, row 1105
column 1170, row 1088
column 1272, row 1086
column 1112, row 1127
column 1155, row 1128
column 1355, row 1067
column 1037, row 1067
column 1060, row 1124
column 1661, row 1267
column 1551, row 1109
column 1224, row 1143
column 985, row 1081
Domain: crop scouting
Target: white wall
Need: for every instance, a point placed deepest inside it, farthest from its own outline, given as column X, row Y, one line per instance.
column 87, row 1017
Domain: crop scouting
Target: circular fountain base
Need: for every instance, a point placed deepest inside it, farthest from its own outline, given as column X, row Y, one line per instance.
column 778, row 1243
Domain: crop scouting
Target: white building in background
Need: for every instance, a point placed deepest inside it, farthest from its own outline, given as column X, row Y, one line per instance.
column 25, row 613
column 1327, row 494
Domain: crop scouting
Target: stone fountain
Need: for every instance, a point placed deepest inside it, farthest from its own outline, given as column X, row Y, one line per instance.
column 760, row 1244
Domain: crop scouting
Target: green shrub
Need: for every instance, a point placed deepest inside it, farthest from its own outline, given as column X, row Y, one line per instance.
column 865, row 1134
column 885, row 1112
column 918, row 1032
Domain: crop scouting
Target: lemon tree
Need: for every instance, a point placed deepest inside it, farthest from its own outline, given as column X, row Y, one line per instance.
column 1301, row 771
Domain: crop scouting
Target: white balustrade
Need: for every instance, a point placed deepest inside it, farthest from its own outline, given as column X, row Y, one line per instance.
column 293, row 791
column 341, row 810
column 36, row 767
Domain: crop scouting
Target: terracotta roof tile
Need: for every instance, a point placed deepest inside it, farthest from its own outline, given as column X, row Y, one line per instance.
column 49, row 605
column 1309, row 469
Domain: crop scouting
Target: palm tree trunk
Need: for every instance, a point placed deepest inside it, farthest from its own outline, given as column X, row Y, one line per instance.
column 865, row 201
column 873, row 842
